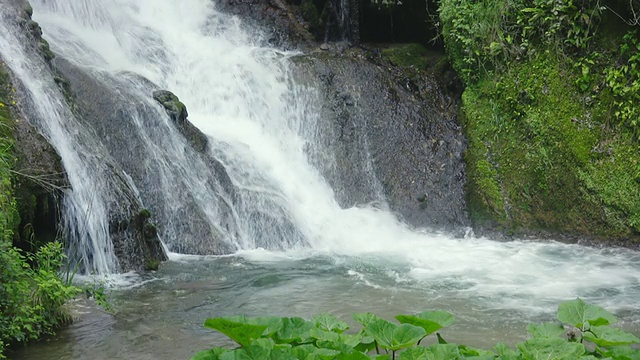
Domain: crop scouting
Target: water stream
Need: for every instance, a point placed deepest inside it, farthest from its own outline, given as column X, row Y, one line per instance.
column 296, row 251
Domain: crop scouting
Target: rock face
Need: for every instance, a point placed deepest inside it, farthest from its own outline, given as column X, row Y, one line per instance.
column 41, row 184
column 394, row 131
column 275, row 18
column 158, row 159
column 39, row 178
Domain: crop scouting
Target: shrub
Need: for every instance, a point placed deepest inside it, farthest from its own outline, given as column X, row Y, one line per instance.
column 31, row 298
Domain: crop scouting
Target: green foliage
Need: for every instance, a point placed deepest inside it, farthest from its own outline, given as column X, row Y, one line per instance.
column 551, row 113
column 486, row 35
column 392, row 336
column 32, row 298
column 546, row 330
column 408, row 55
column 546, row 154
column 624, row 82
column 323, row 338
column 430, row 321
column 582, row 315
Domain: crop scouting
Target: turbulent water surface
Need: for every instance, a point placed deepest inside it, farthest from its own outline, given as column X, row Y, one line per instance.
column 163, row 318
column 297, row 252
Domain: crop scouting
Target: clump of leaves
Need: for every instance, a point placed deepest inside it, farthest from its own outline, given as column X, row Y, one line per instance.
column 31, row 297
column 325, row 337
column 624, row 82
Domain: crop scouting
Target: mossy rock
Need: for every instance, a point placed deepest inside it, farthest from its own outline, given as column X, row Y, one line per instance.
column 410, row 55
column 542, row 158
column 152, row 265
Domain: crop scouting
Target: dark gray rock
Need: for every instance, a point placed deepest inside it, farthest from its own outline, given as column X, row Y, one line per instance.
column 274, row 19
column 175, row 108
column 132, row 129
column 299, row 23
column 394, row 131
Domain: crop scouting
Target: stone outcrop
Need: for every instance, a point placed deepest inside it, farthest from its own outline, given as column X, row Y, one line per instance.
column 402, row 122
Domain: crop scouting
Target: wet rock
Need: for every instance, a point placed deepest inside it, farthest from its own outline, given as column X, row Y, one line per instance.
column 275, row 18
column 175, row 108
column 131, row 129
column 390, row 139
column 177, row 111
column 39, row 184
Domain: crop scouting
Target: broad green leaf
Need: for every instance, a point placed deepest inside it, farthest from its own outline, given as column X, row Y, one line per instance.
column 367, row 342
column 433, row 352
column 272, row 323
column 578, row 313
column 313, row 353
column 256, row 352
column 303, row 351
column 506, row 353
column 414, row 353
column 329, row 322
column 382, row 331
column 623, row 353
column 588, row 357
column 546, row 330
column 443, row 352
column 212, row 354
column 380, row 357
column 365, row 318
column 269, row 344
column 237, row 328
column 356, row 355
column 325, row 354
column 473, row 353
column 606, row 336
column 545, row 348
column 394, row 337
column 430, row 321
column 441, row 340
column 294, row 330
column 332, row 340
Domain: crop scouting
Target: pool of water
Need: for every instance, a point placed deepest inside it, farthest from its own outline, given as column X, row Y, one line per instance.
column 160, row 315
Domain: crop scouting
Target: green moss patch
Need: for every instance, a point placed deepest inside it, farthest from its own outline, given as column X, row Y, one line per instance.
column 543, row 155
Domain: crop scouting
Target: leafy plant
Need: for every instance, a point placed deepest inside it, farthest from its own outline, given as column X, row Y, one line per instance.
column 32, row 298
column 324, row 338
column 486, row 35
column 624, row 82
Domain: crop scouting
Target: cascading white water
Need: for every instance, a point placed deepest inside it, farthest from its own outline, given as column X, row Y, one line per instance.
column 85, row 204
column 264, row 127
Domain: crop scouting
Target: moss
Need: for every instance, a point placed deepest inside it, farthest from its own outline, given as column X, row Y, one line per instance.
column 144, row 214
column 8, row 213
column 541, row 157
column 407, row 55
column 46, row 50
column 152, row 265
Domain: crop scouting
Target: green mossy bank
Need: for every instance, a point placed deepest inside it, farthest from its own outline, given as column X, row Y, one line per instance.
column 551, row 116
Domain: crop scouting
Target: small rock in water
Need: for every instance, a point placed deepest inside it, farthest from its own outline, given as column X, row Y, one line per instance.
column 324, row 46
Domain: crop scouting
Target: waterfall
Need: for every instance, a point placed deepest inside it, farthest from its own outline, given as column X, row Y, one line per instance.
column 343, row 23
column 266, row 180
